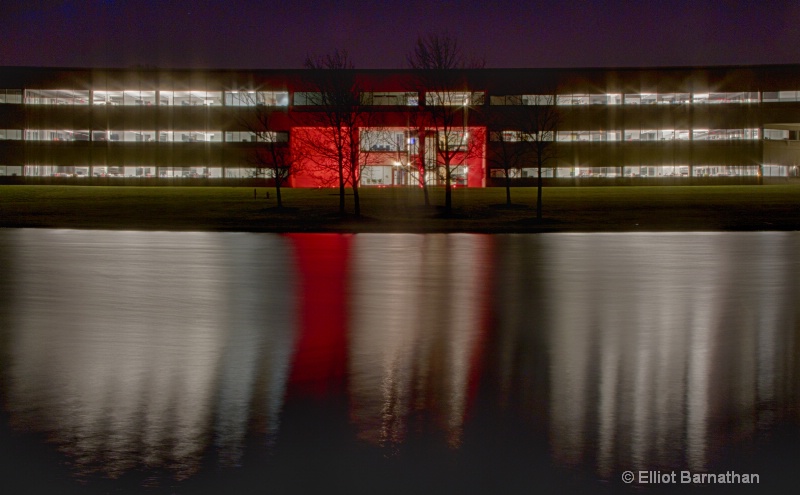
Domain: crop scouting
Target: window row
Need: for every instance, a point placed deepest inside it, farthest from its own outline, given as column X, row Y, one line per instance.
column 150, row 98
column 644, row 98
column 138, row 171
column 630, row 135
column 438, row 98
column 147, row 136
column 246, row 98
column 393, row 140
column 647, row 171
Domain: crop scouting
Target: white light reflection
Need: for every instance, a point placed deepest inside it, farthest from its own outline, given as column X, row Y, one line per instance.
column 413, row 338
column 659, row 341
column 118, row 339
column 261, row 312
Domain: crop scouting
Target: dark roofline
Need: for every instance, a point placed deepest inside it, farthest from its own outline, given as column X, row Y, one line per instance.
column 406, row 70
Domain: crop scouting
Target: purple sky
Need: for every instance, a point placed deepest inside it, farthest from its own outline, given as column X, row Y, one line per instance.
column 278, row 34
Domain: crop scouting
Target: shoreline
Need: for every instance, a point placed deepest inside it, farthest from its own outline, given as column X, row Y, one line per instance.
column 601, row 209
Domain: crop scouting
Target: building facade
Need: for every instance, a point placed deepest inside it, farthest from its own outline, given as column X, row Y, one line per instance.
column 185, row 126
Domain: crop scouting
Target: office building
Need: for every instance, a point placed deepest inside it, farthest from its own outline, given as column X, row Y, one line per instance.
column 145, row 126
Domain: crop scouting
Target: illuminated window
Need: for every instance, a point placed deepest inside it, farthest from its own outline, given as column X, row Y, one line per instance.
column 578, row 99
column 56, row 135
column 506, row 136
column 641, row 98
column 190, row 98
column 772, row 96
column 589, row 99
column 724, row 134
column 10, row 96
column 516, row 136
column 240, row 173
column 605, row 99
column 714, row 98
column 522, row 100
column 256, row 98
column 10, row 134
column 124, row 136
column 574, row 136
column 252, row 137
column 126, row 97
column 584, row 136
column 307, row 98
column 56, row 97
column 387, row 140
column 724, row 170
column 648, row 135
column 190, row 136
column 390, row 98
column 776, row 134
column 453, row 98
column 673, row 98
column 138, row 136
column 10, row 170
column 453, row 140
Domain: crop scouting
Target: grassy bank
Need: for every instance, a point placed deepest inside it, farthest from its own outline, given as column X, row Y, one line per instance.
column 574, row 209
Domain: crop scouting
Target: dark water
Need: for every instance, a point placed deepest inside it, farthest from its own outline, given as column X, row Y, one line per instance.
column 257, row 363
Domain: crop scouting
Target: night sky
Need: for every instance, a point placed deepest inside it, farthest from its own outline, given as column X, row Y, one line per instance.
column 278, row 34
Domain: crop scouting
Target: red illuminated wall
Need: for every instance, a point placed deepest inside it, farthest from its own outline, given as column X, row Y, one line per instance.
column 317, row 166
column 476, row 175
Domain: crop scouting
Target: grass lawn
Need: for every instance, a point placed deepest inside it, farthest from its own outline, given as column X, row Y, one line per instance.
column 566, row 209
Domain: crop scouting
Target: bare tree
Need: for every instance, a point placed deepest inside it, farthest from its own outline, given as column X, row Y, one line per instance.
column 540, row 121
column 337, row 108
column 439, row 65
column 272, row 156
column 508, row 152
column 417, row 166
column 523, row 132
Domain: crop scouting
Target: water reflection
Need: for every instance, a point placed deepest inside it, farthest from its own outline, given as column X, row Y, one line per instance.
column 259, row 305
column 414, row 342
column 184, row 352
column 663, row 349
column 126, row 345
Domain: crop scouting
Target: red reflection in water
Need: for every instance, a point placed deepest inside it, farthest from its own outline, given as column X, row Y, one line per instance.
column 319, row 366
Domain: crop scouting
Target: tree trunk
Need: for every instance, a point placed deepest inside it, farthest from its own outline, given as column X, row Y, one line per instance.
column 278, row 193
column 508, row 189
column 355, row 169
column 356, row 201
column 341, row 197
column 539, row 190
column 448, row 191
column 422, row 169
column 341, row 183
